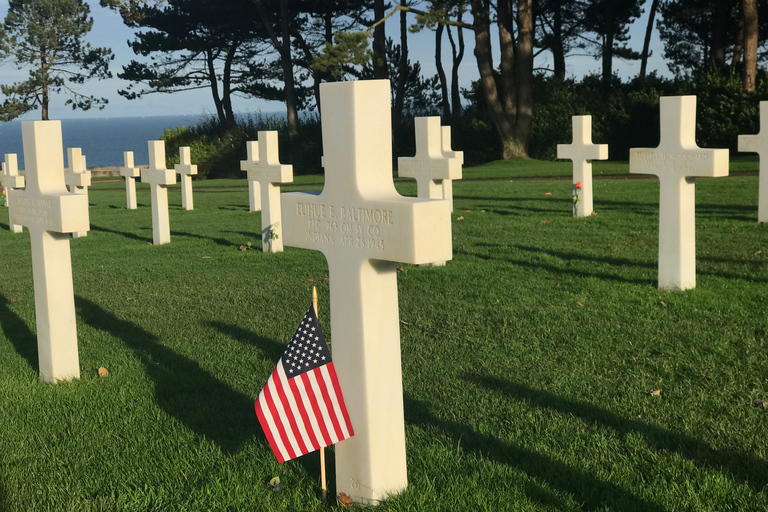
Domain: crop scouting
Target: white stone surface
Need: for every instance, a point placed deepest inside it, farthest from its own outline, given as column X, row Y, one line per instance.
column 130, row 173
column 363, row 227
column 250, row 167
column 582, row 152
column 449, row 153
column 11, row 180
column 50, row 213
column 77, row 177
column 759, row 144
column 677, row 161
column 186, row 170
column 159, row 178
column 269, row 173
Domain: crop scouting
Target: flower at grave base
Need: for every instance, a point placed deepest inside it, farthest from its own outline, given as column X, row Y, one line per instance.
column 577, row 185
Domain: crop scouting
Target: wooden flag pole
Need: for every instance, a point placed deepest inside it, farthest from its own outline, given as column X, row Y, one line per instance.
column 322, row 450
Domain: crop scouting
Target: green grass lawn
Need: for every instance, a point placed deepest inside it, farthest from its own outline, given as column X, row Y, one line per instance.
column 527, row 360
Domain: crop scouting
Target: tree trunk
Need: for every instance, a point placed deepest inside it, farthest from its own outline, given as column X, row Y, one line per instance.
column 607, row 57
column 440, row 71
column 402, row 74
column 209, row 60
column 226, row 96
column 291, row 100
column 720, row 19
column 738, row 46
column 647, row 42
column 506, row 26
column 457, row 58
column 749, row 9
column 558, row 49
column 513, row 125
column 379, row 42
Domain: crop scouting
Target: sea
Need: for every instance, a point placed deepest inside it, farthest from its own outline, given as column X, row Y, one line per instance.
column 103, row 139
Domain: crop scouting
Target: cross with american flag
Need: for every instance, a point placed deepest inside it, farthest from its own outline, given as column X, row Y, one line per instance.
column 301, row 408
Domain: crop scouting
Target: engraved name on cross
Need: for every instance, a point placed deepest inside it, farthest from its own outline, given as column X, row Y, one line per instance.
column 363, row 227
column 250, row 167
column 50, row 213
column 11, row 180
column 677, row 161
column 159, row 178
column 269, row 173
column 186, row 170
column 77, row 177
column 759, row 144
column 130, row 172
column 581, row 152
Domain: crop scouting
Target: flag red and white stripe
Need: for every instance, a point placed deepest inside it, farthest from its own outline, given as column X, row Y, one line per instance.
column 301, row 408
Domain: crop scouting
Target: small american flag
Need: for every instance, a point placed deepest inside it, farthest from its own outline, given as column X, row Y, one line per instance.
column 301, row 408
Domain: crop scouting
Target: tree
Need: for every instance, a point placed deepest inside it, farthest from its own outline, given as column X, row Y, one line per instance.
column 610, row 20
column 511, row 108
column 47, row 36
column 198, row 44
column 559, row 25
column 749, row 17
column 647, row 41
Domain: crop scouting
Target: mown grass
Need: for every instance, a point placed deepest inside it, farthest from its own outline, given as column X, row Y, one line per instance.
column 526, row 359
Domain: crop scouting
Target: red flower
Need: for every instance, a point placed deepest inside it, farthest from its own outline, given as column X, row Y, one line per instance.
column 577, row 186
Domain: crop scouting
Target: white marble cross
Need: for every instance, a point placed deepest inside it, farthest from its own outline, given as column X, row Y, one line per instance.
column 431, row 166
column 251, row 166
column 77, row 177
column 449, row 153
column 363, row 227
column 677, row 161
column 159, row 178
column 11, row 180
column 186, row 170
column 759, row 144
column 130, row 172
column 269, row 173
column 581, row 152
column 50, row 213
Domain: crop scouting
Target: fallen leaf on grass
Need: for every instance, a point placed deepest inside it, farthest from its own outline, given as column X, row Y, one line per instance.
column 276, row 484
column 345, row 501
column 759, row 252
column 103, row 372
column 737, row 232
column 663, row 303
column 579, row 304
column 17, row 299
column 206, row 257
column 544, row 222
column 401, row 269
column 760, row 403
column 498, row 226
column 655, row 392
column 325, row 279
column 555, row 278
column 460, row 218
column 309, row 281
column 467, row 211
column 593, row 213
column 547, row 193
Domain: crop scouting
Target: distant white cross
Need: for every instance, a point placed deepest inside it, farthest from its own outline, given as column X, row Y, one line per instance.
column 159, row 178
column 77, row 177
column 759, row 144
column 50, row 213
column 449, row 153
column 130, row 172
column 270, row 173
column 364, row 227
column 250, row 166
column 677, row 161
column 581, row 151
column 11, row 180
column 186, row 170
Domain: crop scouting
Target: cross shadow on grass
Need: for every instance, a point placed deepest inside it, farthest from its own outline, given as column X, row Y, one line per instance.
column 132, row 236
column 219, row 241
column 5, row 226
column 183, row 389
column 502, row 254
column 271, row 349
column 22, row 338
column 590, row 492
column 743, row 467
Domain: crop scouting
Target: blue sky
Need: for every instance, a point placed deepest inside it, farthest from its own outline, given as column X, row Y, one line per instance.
column 109, row 31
